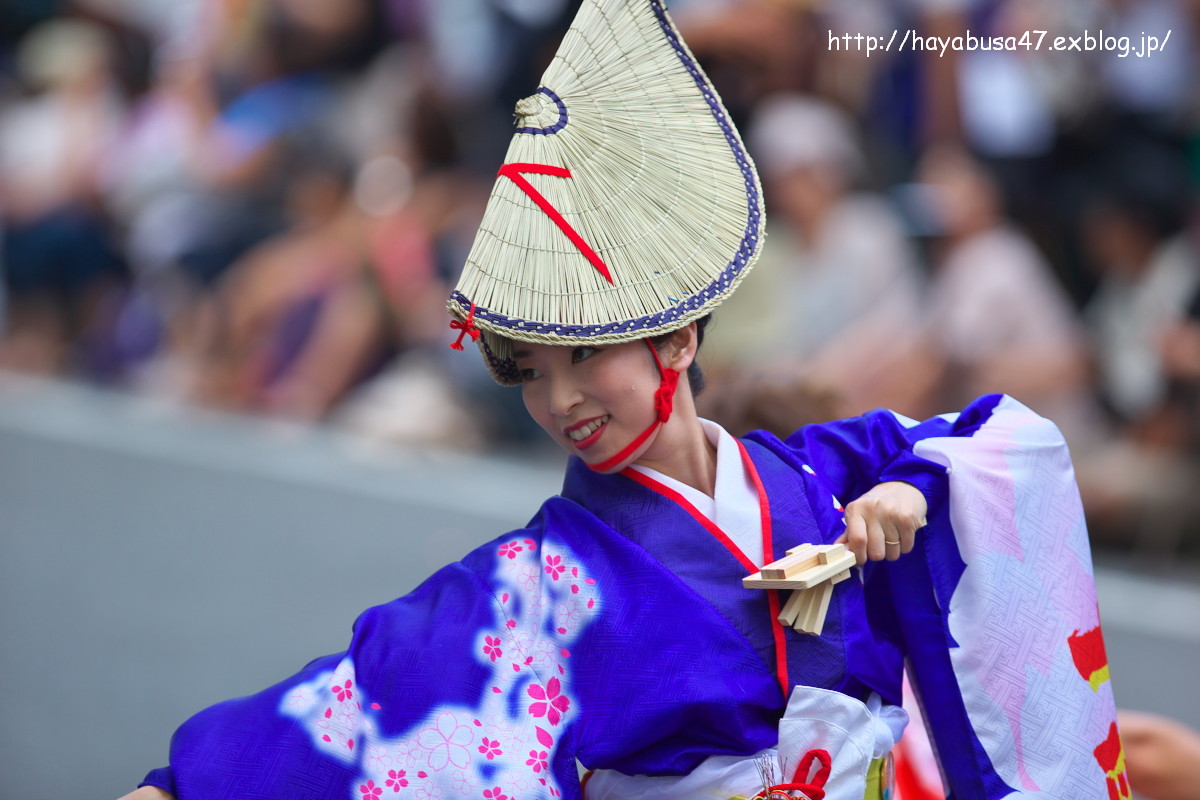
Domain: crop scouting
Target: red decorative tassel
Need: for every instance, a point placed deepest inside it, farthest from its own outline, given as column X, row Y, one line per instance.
column 465, row 328
column 812, row 789
column 664, row 396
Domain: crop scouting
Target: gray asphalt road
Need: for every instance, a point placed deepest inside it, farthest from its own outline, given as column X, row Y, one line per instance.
column 153, row 561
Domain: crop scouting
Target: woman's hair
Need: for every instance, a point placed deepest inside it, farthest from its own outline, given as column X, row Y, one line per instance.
column 695, row 375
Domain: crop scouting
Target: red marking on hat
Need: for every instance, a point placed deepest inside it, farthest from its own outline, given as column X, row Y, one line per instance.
column 514, row 173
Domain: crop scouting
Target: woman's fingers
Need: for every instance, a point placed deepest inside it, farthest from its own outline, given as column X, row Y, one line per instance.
column 855, row 537
column 893, row 540
column 868, row 539
column 883, row 523
column 877, row 550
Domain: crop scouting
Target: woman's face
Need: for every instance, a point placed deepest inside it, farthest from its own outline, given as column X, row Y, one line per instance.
column 592, row 400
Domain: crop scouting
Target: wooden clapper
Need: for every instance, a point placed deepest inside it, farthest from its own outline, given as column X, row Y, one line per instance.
column 810, row 571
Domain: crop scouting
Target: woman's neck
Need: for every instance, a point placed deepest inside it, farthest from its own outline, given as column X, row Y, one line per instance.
column 681, row 450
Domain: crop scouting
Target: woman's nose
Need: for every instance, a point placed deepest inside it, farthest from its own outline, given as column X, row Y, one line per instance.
column 564, row 396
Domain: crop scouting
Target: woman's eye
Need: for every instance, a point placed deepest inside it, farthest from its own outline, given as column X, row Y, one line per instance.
column 582, row 352
column 528, row 374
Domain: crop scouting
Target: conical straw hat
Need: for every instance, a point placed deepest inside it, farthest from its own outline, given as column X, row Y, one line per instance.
column 627, row 205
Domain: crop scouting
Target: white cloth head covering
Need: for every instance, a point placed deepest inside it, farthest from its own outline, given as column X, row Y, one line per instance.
column 792, row 131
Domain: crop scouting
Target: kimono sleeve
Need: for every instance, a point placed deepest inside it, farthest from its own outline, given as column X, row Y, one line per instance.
column 998, row 615
column 318, row 733
column 448, row 690
column 853, row 455
column 995, row 609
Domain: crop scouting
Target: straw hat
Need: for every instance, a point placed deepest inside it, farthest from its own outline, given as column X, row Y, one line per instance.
column 627, row 205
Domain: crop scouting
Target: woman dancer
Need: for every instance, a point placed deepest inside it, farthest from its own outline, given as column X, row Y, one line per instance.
column 614, row 630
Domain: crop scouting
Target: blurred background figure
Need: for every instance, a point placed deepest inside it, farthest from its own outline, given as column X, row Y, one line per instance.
column 997, row 316
column 1139, row 233
column 835, row 294
column 304, row 316
column 1181, row 360
column 204, row 174
column 1148, row 271
column 59, row 255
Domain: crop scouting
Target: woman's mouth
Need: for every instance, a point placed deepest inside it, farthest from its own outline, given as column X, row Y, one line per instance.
column 585, row 434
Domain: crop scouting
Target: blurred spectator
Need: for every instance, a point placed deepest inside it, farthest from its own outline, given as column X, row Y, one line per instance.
column 301, row 316
column 753, row 49
column 315, row 311
column 204, row 170
column 1141, row 483
column 834, row 295
column 1156, row 89
column 1004, row 95
column 1011, row 103
column 1149, row 270
column 771, row 403
column 487, row 55
column 998, row 320
column 1181, row 362
column 58, row 254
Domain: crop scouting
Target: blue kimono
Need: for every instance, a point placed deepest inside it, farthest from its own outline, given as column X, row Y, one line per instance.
column 614, row 629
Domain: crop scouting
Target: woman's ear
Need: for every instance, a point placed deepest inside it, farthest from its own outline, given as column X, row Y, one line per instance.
column 681, row 348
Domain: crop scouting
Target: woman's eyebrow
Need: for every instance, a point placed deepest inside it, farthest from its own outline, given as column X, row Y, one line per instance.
column 521, row 354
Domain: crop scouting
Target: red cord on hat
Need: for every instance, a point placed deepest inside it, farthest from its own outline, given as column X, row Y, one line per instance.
column 664, row 403
column 465, row 328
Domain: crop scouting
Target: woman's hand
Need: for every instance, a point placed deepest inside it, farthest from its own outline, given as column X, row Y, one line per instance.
column 147, row 793
column 883, row 522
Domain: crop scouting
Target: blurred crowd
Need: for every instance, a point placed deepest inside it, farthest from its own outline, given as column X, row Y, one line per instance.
column 261, row 205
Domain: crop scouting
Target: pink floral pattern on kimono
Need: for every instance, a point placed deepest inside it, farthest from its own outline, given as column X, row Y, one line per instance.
column 545, row 599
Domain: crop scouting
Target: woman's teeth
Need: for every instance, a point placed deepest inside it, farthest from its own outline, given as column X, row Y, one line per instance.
column 581, row 433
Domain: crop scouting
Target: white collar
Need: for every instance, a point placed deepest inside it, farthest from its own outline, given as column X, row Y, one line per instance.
column 734, row 508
